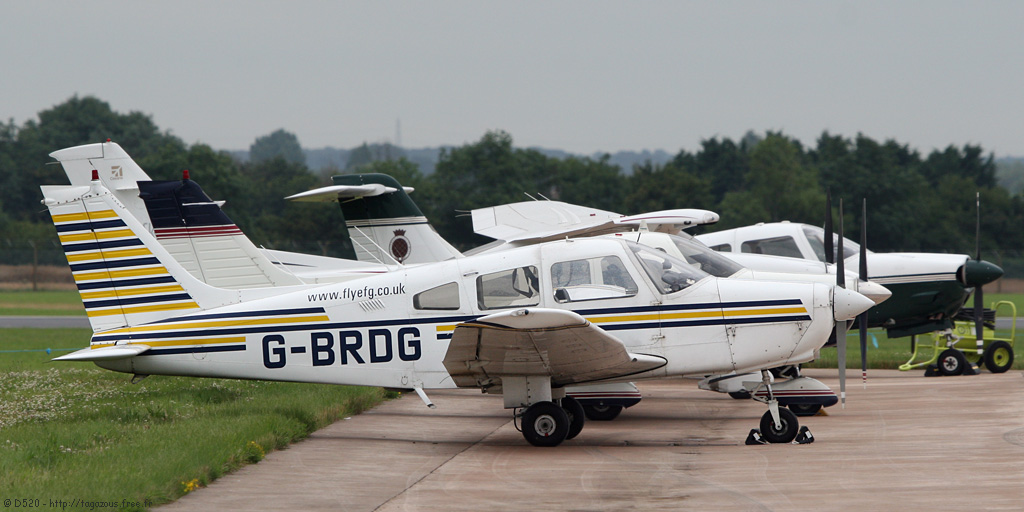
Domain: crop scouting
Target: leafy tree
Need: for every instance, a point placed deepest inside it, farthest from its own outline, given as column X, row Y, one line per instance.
column 279, row 144
column 670, row 186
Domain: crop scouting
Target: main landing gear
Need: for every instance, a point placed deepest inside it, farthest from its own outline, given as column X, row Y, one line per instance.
column 777, row 425
column 550, row 423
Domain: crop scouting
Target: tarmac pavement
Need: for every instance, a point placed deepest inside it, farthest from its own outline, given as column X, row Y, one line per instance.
column 905, row 442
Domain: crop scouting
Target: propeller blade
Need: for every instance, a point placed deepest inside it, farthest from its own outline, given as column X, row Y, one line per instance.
column 830, row 256
column 840, row 329
column 862, row 320
column 979, row 304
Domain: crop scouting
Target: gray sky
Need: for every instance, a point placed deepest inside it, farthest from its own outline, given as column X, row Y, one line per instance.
column 582, row 76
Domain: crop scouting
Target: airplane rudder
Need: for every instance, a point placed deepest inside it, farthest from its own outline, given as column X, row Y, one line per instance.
column 122, row 274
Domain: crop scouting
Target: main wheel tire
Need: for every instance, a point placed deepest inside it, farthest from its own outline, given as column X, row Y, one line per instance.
column 601, row 412
column 952, row 362
column 740, row 395
column 998, row 357
column 545, row 424
column 805, row 409
column 574, row 410
column 790, row 427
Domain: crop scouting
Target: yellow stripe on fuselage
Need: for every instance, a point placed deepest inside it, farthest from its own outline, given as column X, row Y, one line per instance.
column 235, row 322
column 92, row 236
column 142, row 309
column 115, row 274
column 171, row 343
column 127, row 292
column 82, row 216
column 120, row 253
column 773, row 311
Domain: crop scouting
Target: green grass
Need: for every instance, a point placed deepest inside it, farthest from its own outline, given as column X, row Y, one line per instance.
column 73, row 430
column 43, row 303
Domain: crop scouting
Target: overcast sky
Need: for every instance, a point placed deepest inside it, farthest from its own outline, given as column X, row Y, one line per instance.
column 583, row 76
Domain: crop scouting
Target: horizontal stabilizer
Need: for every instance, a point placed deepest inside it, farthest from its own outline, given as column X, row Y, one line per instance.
column 105, row 353
column 339, row 192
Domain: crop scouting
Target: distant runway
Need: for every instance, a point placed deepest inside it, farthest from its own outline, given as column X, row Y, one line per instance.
column 906, row 442
column 44, row 322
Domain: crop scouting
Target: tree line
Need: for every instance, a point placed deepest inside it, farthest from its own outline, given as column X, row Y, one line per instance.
column 916, row 202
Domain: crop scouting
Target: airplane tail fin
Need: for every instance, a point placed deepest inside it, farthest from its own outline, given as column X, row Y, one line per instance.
column 384, row 223
column 191, row 226
column 124, row 276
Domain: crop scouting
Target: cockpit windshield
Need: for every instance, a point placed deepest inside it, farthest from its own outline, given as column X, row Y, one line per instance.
column 700, row 256
column 668, row 273
column 816, row 237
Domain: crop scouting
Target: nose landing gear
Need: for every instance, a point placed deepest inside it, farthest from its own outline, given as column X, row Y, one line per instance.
column 777, row 425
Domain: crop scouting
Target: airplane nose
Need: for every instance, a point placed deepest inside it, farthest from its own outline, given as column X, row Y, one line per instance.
column 847, row 304
column 874, row 291
column 978, row 273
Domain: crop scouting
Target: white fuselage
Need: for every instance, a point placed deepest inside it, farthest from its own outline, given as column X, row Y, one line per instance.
column 386, row 331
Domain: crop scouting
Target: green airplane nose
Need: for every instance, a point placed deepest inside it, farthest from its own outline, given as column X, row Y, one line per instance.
column 978, row 273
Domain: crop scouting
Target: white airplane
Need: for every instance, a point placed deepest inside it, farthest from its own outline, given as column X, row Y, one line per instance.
column 496, row 322
column 379, row 212
column 927, row 288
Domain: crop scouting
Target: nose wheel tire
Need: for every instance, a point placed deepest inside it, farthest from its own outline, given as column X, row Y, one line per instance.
column 545, row 424
column 786, row 434
column 574, row 411
column 998, row 357
column 602, row 412
column 952, row 362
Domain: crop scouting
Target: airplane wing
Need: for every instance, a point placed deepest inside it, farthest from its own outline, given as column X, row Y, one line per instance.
column 539, row 341
column 539, row 221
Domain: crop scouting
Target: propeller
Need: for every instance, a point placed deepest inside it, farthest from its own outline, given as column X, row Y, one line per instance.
column 840, row 337
column 862, row 320
column 830, row 255
column 979, row 304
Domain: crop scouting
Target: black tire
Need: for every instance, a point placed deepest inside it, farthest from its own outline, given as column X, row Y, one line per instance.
column 740, row 395
column 545, row 424
column 952, row 362
column 805, row 409
column 790, row 427
column 998, row 357
column 576, row 415
column 601, row 412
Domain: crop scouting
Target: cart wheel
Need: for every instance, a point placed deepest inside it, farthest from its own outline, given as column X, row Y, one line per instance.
column 998, row 357
column 952, row 362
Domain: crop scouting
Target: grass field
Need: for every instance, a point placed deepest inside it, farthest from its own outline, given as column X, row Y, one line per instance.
column 74, row 431
column 27, row 302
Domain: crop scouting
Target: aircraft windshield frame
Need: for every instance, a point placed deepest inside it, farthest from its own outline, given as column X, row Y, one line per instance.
column 816, row 238
column 668, row 273
column 705, row 259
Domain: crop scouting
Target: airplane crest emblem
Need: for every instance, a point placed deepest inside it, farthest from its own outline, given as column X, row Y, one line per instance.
column 400, row 246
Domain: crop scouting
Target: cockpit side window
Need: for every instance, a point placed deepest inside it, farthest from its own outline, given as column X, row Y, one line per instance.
column 721, row 248
column 704, row 258
column 591, row 279
column 444, row 297
column 778, row 246
column 816, row 237
column 509, row 288
column 668, row 273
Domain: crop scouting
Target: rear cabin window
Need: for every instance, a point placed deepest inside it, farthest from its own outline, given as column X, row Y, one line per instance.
column 508, row 288
column 591, row 279
column 780, row 246
column 444, row 297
